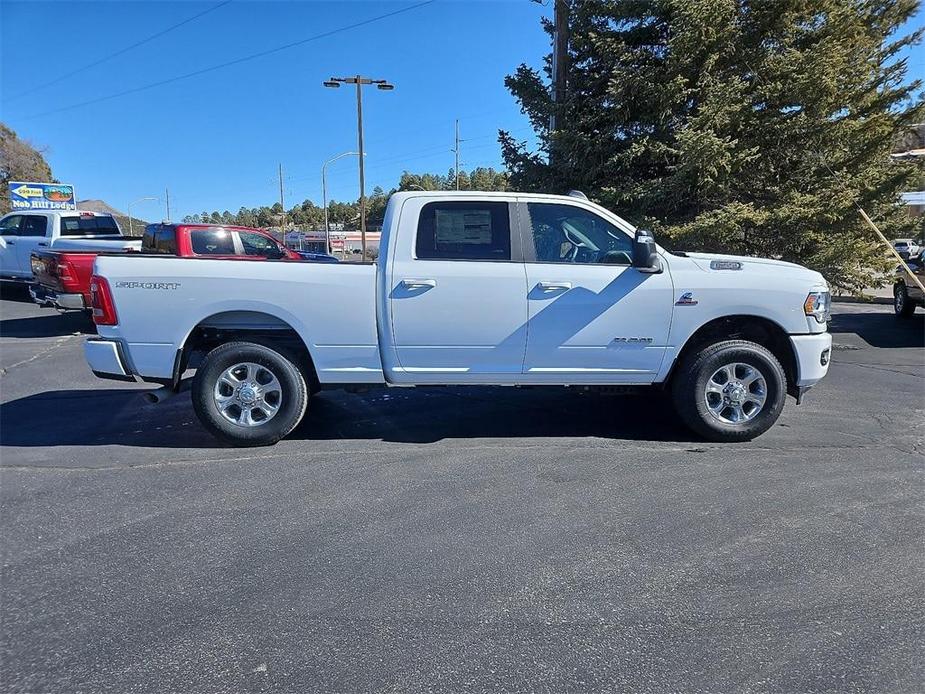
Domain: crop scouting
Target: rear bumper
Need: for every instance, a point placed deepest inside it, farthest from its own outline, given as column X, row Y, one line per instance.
column 106, row 359
column 813, row 354
column 48, row 297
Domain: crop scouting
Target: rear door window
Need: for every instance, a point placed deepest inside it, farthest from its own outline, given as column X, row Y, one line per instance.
column 33, row 225
column 212, row 242
column 464, row 231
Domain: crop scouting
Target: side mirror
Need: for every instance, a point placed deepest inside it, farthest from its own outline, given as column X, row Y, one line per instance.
column 645, row 256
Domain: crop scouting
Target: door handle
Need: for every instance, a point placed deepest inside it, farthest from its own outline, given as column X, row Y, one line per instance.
column 10, row 243
column 417, row 284
column 554, row 286
column 42, row 243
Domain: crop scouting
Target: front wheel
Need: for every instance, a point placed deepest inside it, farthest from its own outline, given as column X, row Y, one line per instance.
column 902, row 306
column 730, row 391
column 248, row 394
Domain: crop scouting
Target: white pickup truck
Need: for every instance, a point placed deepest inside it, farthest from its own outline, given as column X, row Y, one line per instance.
column 25, row 231
column 469, row 288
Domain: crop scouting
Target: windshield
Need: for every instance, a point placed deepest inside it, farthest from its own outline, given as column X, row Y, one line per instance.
column 89, row 226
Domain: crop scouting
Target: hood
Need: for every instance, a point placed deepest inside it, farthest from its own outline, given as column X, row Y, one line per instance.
column 764, row 265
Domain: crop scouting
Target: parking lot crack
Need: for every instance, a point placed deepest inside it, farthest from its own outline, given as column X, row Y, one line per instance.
column 60, row 342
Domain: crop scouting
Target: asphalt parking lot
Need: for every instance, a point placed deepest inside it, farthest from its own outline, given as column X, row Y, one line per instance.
column 461, row 540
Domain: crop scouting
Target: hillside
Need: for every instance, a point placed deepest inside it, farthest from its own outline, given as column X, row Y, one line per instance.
column 100, row 206
column 19, row 161
column 121, row 217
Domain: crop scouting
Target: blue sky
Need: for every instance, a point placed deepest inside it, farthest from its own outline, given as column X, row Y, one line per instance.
column 216, row 139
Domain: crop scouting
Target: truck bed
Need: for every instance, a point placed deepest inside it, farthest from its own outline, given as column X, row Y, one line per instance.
column 331, row 306
column 113, row 243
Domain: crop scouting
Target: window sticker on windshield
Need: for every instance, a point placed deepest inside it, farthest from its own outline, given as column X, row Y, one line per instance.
column 462, row 227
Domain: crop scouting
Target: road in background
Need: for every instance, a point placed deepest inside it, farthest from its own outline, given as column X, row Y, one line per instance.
column 458, row 539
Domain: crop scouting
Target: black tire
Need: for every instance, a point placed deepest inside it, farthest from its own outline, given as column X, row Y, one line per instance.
column 690, row 382
column 292, row 400
column 903, row 306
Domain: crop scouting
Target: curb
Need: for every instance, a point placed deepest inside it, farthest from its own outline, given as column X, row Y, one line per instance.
column 862, row 300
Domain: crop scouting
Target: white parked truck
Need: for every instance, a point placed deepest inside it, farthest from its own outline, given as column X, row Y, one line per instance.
column 25, row 231
column 469, row 288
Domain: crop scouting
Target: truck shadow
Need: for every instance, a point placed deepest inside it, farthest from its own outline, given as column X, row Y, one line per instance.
column 122, row 417
column 51, row 324
column 427, row 415
column 881, row 328
column 10, row 291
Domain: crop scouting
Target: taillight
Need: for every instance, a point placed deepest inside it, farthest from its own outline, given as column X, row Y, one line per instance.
column 65, row 271
column 104, row 310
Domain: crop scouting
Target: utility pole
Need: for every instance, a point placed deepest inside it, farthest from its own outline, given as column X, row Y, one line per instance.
column 456, row 150
column 560, row 42
column 282, row 204
column 167, row 202
column 360, row 81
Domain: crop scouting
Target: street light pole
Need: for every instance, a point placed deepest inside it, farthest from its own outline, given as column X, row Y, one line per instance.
column 131, row 228
column 324, row 195
column 362, row 178
column 360, row 81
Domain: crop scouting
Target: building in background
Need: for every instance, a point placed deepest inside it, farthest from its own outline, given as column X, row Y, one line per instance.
column 911, row 147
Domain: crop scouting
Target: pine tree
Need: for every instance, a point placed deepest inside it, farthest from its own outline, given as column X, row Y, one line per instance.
column 734, row 125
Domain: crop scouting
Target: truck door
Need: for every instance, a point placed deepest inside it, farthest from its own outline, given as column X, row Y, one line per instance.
column 9, row 232
column 457, row 293
column 593, row 317
column 32, row 235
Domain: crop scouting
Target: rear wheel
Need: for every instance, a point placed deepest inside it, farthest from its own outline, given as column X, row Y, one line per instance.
column 903, row 307
column 730, row 391
column 249, row 394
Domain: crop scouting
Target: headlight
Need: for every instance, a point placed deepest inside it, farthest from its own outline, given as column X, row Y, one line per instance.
column 818, row 305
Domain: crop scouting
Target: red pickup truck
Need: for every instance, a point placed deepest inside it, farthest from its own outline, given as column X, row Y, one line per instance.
column 62, row 278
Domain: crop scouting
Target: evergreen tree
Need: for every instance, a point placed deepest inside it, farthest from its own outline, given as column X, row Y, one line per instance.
column 733, row 125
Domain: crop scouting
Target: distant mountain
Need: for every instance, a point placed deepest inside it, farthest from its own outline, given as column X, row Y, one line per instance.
column 136, row 227
column 100, row 206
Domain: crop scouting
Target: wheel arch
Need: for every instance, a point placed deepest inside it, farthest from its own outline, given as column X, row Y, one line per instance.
column 757, row 329
column 249, row 325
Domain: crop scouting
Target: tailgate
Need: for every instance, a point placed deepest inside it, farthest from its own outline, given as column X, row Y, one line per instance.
column 63, row 272
column 45, row 269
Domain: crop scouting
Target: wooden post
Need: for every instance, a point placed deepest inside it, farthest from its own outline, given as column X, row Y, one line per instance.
column 892, row 250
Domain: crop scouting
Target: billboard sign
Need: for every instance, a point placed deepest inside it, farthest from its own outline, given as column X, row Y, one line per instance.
column 26, row 195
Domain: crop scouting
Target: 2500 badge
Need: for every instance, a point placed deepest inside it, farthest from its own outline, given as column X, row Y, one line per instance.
column 147, row 285
column 633, row 340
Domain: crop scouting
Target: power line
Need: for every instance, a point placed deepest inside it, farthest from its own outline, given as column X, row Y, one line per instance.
column 236, row 61
column 67, row 75
column 300, row 183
